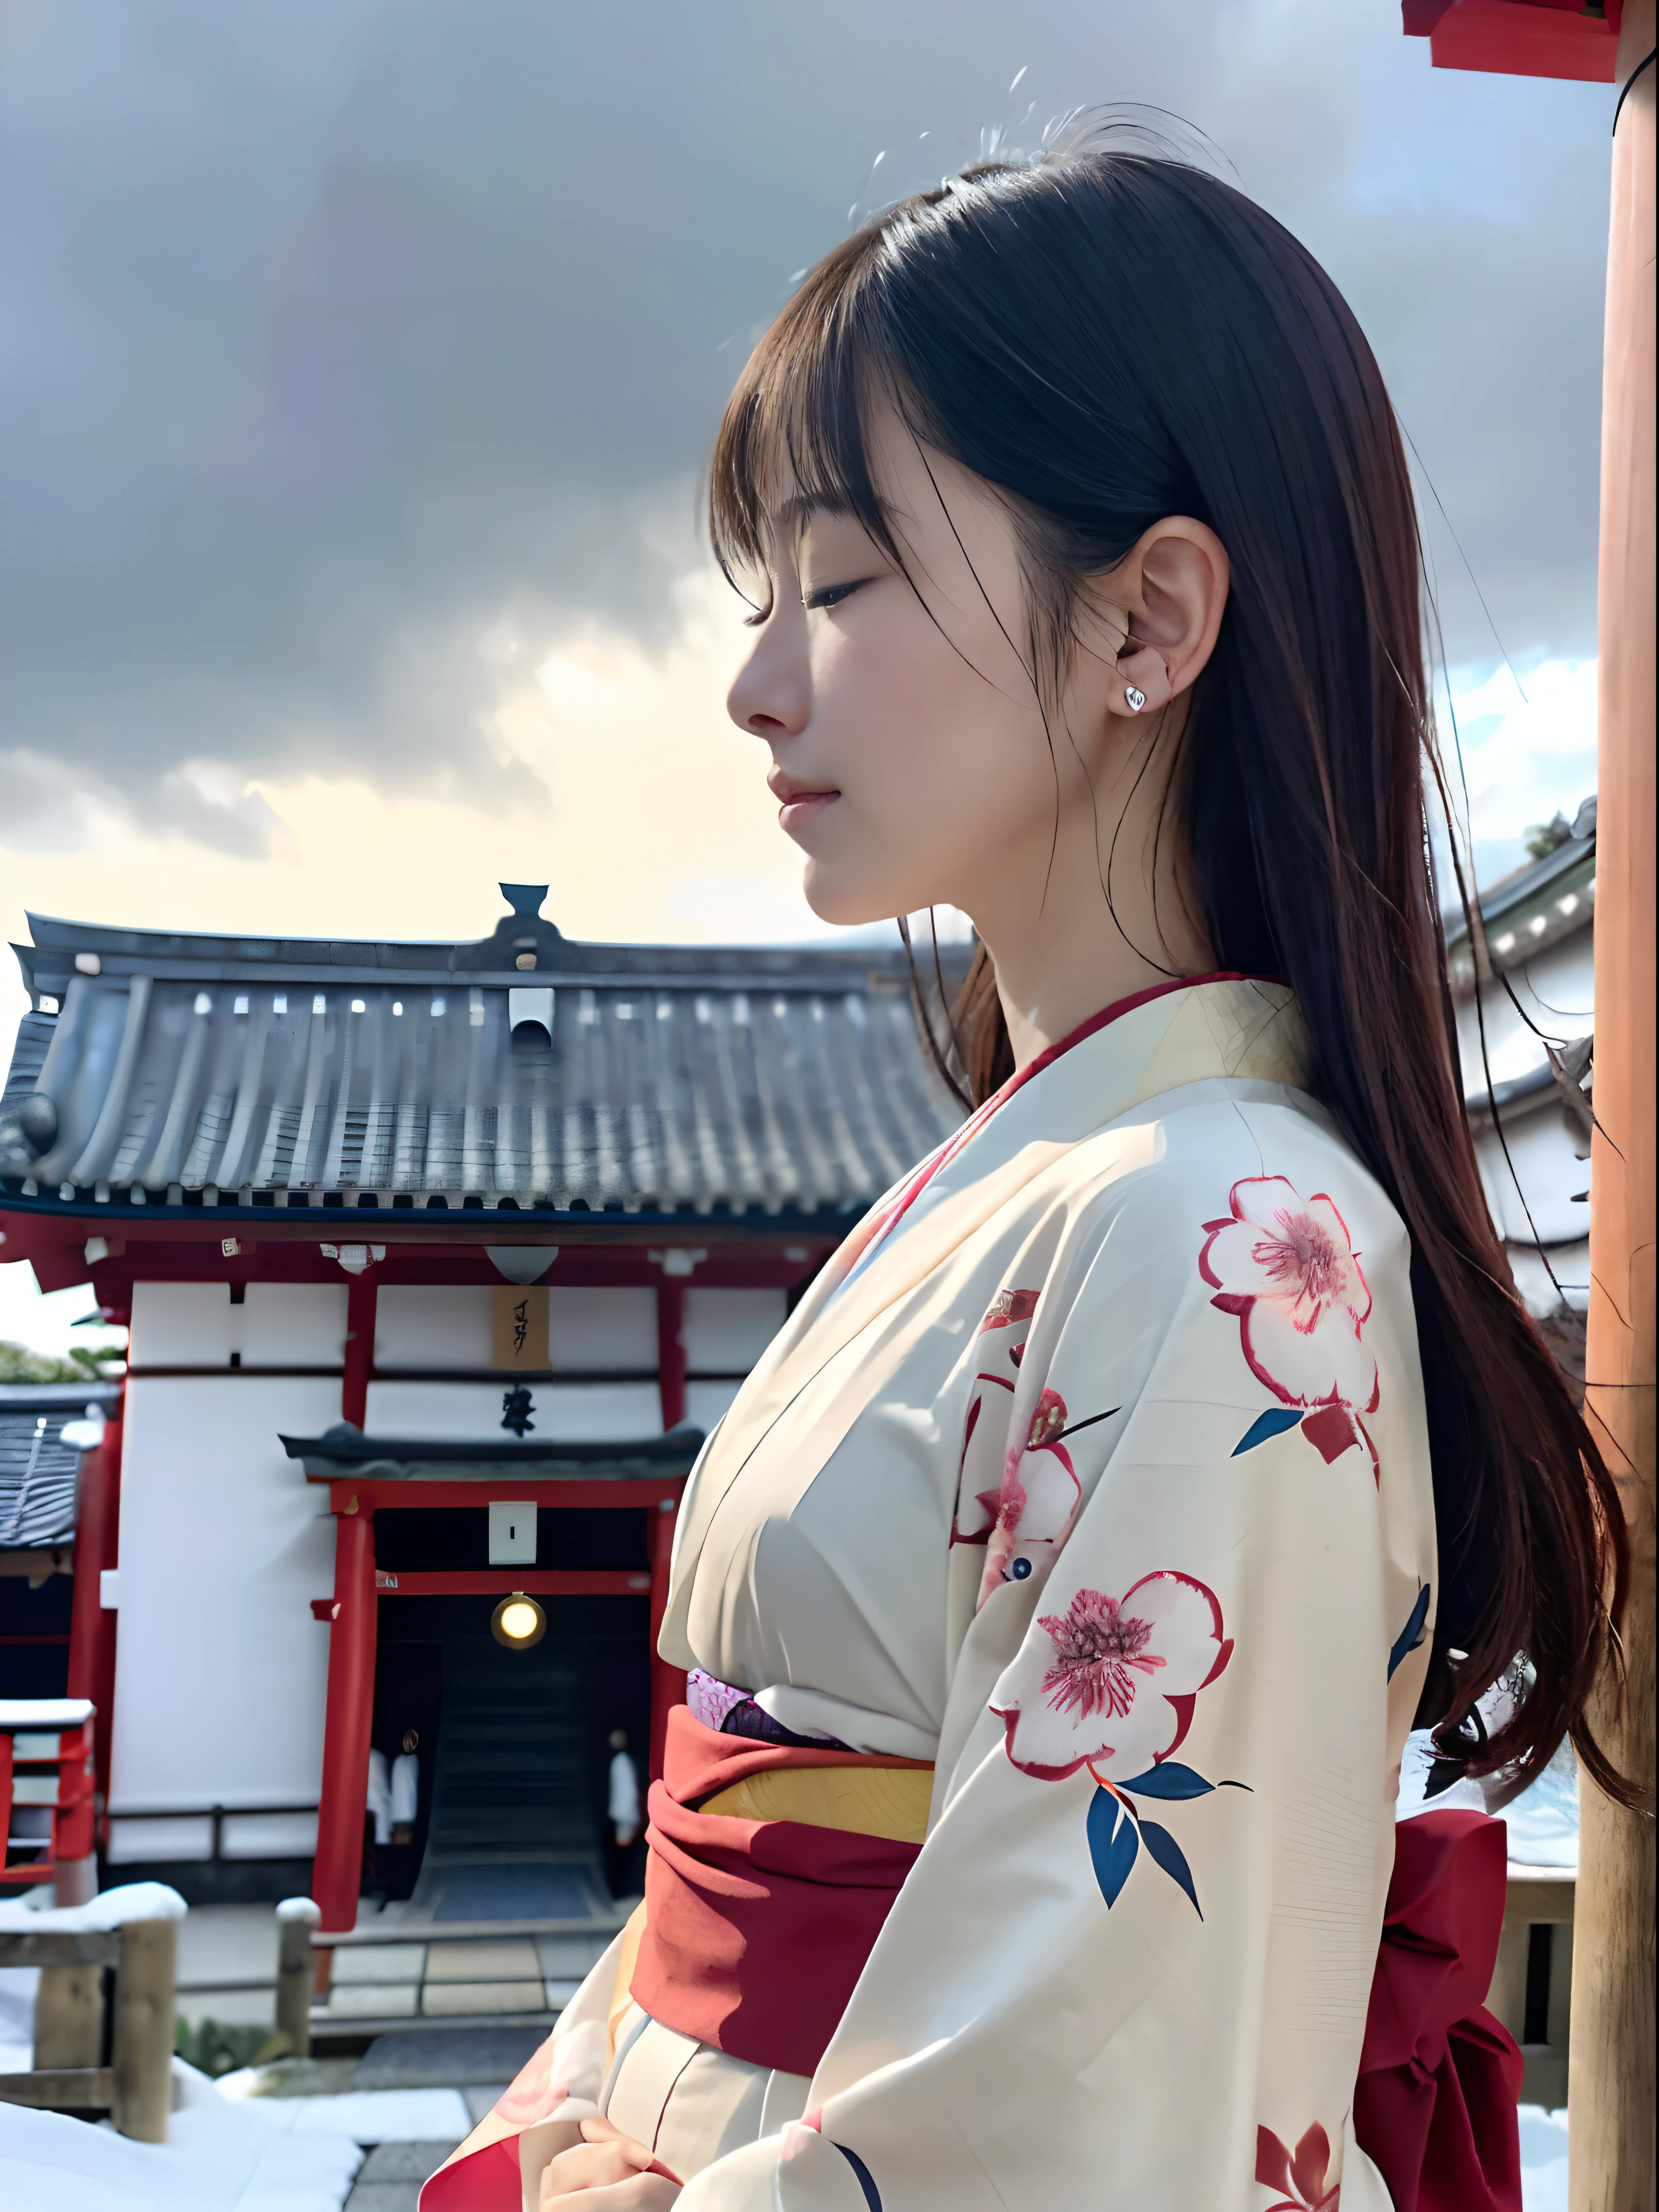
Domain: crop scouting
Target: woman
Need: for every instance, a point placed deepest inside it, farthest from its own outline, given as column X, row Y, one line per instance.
column 1060, row 1591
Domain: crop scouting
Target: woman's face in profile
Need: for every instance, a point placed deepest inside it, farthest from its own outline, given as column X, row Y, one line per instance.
column 908, row 757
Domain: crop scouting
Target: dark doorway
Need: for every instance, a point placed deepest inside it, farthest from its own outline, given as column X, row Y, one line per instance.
column 520, row 1757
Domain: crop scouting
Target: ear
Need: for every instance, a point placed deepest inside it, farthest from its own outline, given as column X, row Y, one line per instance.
column 1171, row 592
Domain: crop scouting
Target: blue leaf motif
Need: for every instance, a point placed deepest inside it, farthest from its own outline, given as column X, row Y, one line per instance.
column 1171, row 1857
column 866, row 2180
column 1412, row 1634
column 1172, row 1779
column 1113, row 1844
column 1273, row 1423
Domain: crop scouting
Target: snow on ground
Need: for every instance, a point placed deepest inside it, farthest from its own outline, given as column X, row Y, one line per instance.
column 224, row 2153
column 218, row 2155
column 367, row 2116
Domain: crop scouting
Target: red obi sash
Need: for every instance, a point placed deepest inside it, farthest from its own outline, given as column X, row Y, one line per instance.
column 756, row 1930
column 1435, row 2103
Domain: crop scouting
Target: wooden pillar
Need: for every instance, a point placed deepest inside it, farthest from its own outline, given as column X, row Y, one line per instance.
column 670, row 1353
column 361, row 1300
column 337, row 1870
column 349, row 1714
column 92, row 1630
column 667, row 1683
column 1611, row 2069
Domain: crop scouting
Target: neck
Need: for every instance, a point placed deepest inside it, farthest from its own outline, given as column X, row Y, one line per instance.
column 1062, row 955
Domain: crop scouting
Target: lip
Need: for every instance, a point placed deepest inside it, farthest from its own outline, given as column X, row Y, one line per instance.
column 797, row 810
column 797, row 801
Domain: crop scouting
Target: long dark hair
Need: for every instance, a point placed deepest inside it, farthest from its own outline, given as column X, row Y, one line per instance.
column 1110, row 337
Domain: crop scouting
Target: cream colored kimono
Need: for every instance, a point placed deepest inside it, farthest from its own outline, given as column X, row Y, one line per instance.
column 1095, row 1470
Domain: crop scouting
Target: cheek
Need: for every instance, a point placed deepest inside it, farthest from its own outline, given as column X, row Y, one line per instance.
column 912, row 722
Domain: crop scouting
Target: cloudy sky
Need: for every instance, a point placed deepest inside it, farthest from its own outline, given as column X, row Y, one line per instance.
column 358, row 359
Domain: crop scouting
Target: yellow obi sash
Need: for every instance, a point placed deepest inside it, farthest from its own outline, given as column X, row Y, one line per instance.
column 861, row 1801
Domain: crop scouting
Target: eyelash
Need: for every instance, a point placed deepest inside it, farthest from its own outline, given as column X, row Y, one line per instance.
column 831, row 595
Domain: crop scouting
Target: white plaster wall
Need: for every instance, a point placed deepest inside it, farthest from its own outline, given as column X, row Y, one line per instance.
column 569, row 1412
column 181, row 1324
column 277, row 1325
column 1557, row 990
column 188, row 1837
column 1543, row 1141
column 726, row 1331
column 602, row 1329
column 292, row 1324
column 423, row 1325
column 220, row 1670
column 706, row 1402
column 596, row 1331
column 269, row 1835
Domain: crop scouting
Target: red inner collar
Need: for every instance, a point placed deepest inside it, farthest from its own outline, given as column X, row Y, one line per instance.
column 1119, row 1006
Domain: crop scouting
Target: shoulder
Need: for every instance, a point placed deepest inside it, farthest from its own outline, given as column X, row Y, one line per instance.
column 1194, row 1156
column 1221, row 1194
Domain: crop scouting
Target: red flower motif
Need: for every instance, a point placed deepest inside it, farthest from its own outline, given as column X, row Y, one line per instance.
column 1111, row 1682
column 1301, row 2173
column 1286, row 1266
column 1038, row 1497
column 1096, row 1645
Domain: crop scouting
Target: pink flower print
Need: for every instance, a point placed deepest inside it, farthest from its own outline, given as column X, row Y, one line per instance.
column 1286, row 1266
column 1008, row 1322
column 1096, row 1645
column 1301, row 2173
column 1010, row 1309
column 709, row 1698
column 1038, row 1499
column 1111, row 1682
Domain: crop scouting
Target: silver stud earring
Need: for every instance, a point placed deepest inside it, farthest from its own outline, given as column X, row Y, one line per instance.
column 1135, row 699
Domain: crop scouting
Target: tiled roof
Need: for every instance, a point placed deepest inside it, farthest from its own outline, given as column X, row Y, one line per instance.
column 1530, row 911
column 528, row 1072
column 38, row 1470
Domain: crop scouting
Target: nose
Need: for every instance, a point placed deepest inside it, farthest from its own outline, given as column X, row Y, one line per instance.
column 771, row 696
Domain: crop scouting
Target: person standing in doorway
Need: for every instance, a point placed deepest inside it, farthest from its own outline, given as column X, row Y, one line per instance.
column 625, row 1877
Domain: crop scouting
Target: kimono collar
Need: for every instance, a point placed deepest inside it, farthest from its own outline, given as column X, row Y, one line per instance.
column 1242, row 1027
column 1115, row 1012
column 1182, row 1031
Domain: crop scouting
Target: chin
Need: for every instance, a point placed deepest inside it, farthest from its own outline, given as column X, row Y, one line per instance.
column 846, row 905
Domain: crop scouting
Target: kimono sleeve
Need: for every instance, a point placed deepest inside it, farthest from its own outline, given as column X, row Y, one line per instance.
column 1131, row 1963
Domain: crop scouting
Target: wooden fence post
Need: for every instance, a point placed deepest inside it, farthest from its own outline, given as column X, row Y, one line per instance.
column 295, row 1919
column 140, row 2062
column 69, row 2017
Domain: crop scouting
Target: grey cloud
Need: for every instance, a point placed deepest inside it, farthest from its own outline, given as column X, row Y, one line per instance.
column 331, row 332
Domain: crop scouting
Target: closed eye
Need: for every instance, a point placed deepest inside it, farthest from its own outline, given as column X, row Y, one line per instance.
column 831, row 595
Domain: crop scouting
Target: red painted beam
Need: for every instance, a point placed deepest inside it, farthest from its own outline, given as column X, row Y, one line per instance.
column 280, row 1246
column 505, row 1582
column 670, row 1353
column 343, row 1491
column 1517, row 38
column 360, row 1302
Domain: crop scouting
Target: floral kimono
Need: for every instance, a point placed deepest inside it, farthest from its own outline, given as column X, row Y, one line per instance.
column 1073, row 1547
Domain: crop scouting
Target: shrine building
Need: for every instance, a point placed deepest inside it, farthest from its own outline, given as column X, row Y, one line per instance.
column 438, row 1262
